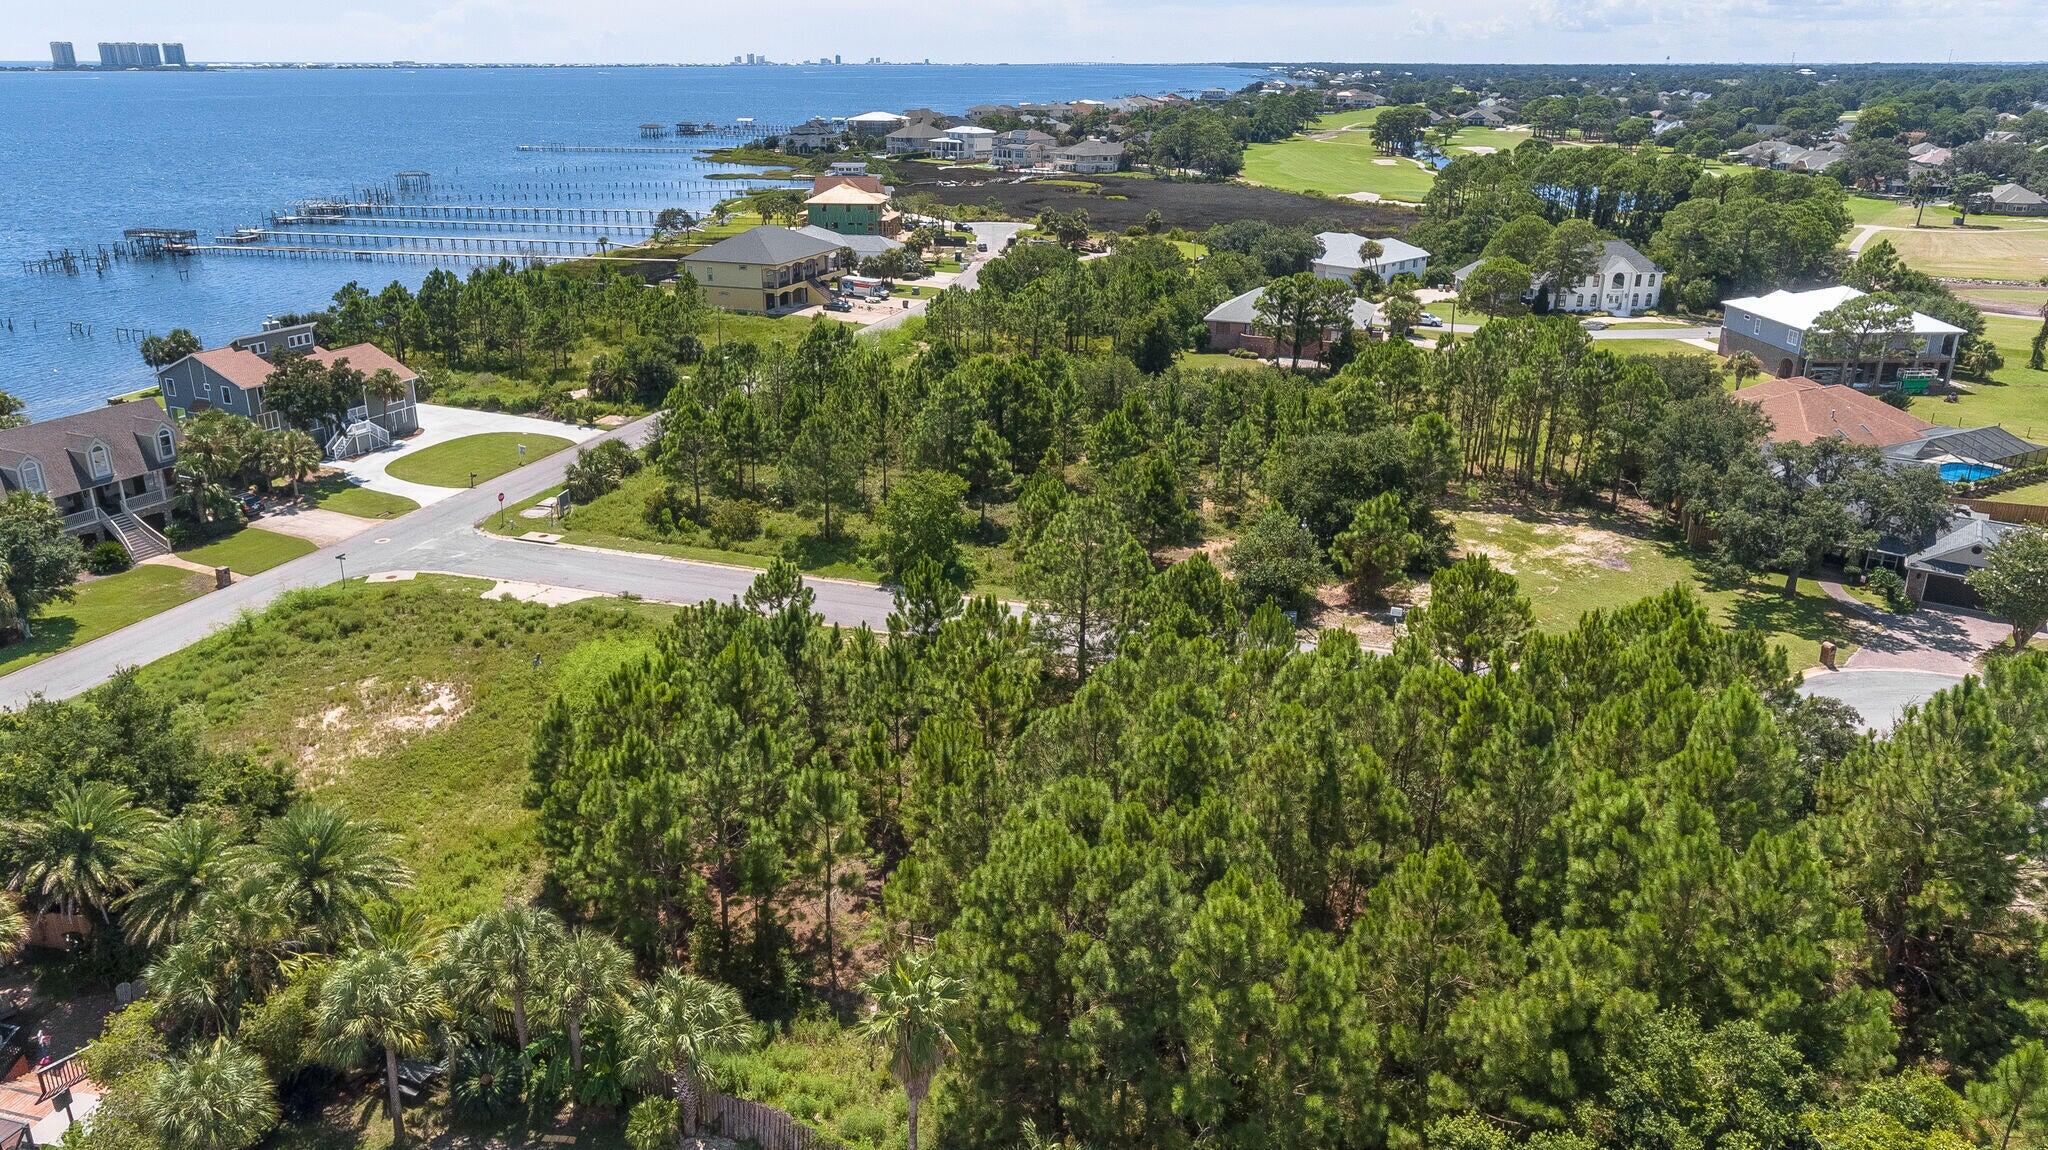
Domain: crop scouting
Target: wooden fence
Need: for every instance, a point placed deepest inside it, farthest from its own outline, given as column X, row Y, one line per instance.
column 744, row 1121
column 2009, row 512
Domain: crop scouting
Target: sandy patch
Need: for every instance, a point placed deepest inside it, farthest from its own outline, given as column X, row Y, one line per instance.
column 542, row 593
column 371, row 717
column 179, row 561
column 315, row 525
column 1562, row 545
column 1384, row 162
column 1363, row 197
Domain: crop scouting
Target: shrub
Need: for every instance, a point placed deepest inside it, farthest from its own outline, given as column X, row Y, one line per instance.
column 653, row 1124
column 1887, row 583
column 735, row 520
column 668, row 509
column 599, row 470
column 107, row 558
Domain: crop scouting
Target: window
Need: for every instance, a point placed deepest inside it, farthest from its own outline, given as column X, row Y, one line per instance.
column 1639, row 279
column 1620, row 280
column 1756, row 325
column 166, row 443
column 101, row 460
column 31, row 475
column 228, row 393
column 170, row 388
column 259, row 347
column 303, row 339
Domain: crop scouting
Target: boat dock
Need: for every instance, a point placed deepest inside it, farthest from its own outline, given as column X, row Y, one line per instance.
column 404, row 255
column 505, row 245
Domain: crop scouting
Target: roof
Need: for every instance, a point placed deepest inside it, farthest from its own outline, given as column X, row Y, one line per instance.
column 866, row 183
column 367, row 358
column 1340, row 249
column 2015, row 194
column 875, row 118
column 766, row 244
column 1024, row 136
column 1960, row 547
column 843, row 193
column 1798, row 309
column 1993, row 445
column 1802, row 411
column 1245, row 309
column 922, row 130
column 969, row 130
column 59, row 446
column 1626, row 253
column 1104, row 148
column 863, row 246
column 244, row 369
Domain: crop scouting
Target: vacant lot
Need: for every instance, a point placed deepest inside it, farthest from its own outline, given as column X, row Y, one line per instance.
column 1185, row 204
column 485, row 456
column 249, row 551
column 413, row 704
column 1569, row 564
column 2008, row 254
column 1893, row 213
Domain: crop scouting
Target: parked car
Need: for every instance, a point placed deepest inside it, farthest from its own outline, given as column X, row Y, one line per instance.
column 981, row 247
column 1594, row 324
column 1429, row 320
column 837, row 304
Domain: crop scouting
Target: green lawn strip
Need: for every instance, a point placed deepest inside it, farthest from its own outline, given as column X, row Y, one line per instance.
column 102, row 606
column 487, row 456
column 1446, row 311
column 336, row 493
column 2016, row 398
column 1335, row 168
column 1569, row 565
column 1358, row 118
column 1218, row 360
column 1651, row 347
column 412, row 704
column 912, row 291
column 2004, row 254
column 1897, row 214
column 249, row 551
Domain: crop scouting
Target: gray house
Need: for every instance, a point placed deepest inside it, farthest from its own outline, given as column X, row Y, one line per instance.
column 111, row 472
column 232, row 379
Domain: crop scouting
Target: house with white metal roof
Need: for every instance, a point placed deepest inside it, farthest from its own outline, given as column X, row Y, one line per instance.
column 1340, row 259
column 1778, row 328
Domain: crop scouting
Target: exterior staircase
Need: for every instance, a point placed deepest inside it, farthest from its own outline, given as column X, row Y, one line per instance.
column 359, row 438
column 141, row 540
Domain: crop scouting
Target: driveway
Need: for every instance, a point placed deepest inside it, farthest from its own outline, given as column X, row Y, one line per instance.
column 995, row 235
column 439, row 538
column 1904, row 659
column 439, row 425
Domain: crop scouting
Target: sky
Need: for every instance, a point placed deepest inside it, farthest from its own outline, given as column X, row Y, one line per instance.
column 1032, row 31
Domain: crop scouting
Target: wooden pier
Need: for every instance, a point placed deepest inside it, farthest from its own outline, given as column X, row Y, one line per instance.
column 404, row 255
column 506, row 245
column 501, row 212
column 282, row 221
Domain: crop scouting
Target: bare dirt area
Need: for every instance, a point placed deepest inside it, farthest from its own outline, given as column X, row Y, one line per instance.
column 370, row 717
column 1185, row 204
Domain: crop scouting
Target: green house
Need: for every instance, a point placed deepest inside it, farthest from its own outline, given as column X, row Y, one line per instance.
column 849, row 211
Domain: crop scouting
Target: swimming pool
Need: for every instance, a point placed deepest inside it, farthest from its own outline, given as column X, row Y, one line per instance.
column 1967, row 472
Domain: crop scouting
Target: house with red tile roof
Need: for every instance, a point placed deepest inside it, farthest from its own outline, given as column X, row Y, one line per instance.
column 232, row 379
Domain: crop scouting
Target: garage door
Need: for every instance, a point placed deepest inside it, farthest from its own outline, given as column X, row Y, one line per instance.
column 1952, row 591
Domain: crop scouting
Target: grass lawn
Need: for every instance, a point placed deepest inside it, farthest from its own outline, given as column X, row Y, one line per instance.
column 912, row 291
column 1218, row 360
column 249, row 551
column 2031, row 299
column 1499, row 139
column 103, row 606
column 1896, row 214
column 487, row 456
column 2007, row 254
column 1569, row 564
column 336, row 493
column 1190, row 249
column 1651, row 347
column 1337, row 168
column 1443, row 309
column 413, row 704
column 2015, row 399
column 1360, row 118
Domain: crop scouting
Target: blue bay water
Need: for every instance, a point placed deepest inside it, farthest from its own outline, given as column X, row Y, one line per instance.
column 84, row 156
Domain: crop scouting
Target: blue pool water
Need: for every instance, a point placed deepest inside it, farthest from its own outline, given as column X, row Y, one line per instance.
column 84, row 155
column 1967, row 472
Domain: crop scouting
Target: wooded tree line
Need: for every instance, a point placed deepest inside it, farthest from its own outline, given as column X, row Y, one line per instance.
column 1616, row 887
column 1716, row 235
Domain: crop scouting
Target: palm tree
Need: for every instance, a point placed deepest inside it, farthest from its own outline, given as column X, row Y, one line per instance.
column 586, row 974
column 293, row 454
column 229, row 952
column 384, row 386
column 907, row 1020
column 219, row 1098
column 1746, row 367
column 381, row 999
column 507, row 947
column 170, row 872
column 13, row 929
column 326, row 869
column 672, row 1025
column 72, row 854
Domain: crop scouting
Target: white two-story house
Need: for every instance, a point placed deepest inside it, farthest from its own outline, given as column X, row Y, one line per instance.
column 1625, row 282
column 1340, row 259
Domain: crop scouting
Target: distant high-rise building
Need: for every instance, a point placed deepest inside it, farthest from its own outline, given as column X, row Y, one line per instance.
column 835, row 57
column 62, row 55
column 174, row 54
column 130, row 54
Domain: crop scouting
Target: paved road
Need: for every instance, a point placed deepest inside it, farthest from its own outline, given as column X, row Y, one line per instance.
column 1880, row 697
column 440, row 538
